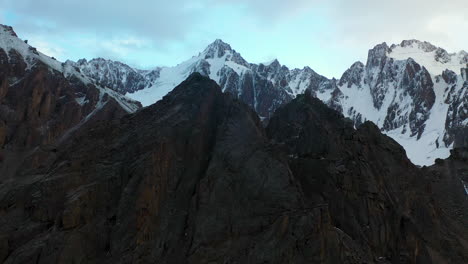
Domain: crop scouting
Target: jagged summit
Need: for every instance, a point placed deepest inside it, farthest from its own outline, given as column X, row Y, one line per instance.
column 218, row 44
column 423, row 45
column 435, row 59
column 376, row 55
column 223, row 51
column 273, row 62
column 4, row 29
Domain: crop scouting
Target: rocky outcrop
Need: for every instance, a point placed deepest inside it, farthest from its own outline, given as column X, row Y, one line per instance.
column 195, row 178
column 42, row 101
column 416, row 83
column 116, row 75
column 456, row 121
column 165, row 185
column 374, row 194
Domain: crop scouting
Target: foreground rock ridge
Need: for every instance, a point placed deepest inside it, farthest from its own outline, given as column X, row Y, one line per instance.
column 196, row 178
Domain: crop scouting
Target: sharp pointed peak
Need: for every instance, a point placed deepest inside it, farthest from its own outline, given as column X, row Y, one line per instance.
column 217, row 49
column 357, row 64
column 273, row 62
column 218, row 44
column 381, row 46
column 8, row 30
column 410, row 42
column 219, row 41
column 419, row 44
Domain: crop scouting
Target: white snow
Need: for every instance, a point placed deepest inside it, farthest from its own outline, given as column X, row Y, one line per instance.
column 427, row 59
column 425, row 150
column 170, row 77
column 422, row 151
column 81, row 100
column 324, row 95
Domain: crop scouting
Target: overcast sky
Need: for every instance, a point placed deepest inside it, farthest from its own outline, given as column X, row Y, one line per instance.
column 327, row 35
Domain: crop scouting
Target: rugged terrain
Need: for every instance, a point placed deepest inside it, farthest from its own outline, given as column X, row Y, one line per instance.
column 88, row 176
column 414, row 92
column 195, row 178
column 42, row 101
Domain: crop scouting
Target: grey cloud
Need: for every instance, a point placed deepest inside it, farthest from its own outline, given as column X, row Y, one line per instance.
column 154, row 19
column 364, row 22
column 351, row 26
column 272, row 10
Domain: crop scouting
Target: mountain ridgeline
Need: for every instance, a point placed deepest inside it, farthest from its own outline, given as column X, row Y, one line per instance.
column 414, row 92
column 196, row 178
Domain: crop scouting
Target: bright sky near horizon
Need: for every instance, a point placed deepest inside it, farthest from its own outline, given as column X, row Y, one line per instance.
column 328, row 35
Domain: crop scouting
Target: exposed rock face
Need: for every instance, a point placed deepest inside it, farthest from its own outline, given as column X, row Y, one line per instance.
column 374, row 194
column 416, row 83
column 399, row 88
column 195, row 178
column 264, row 87
column 116, row 75
column 457, row 98
column 256, row 90
column 408, row 98
column 42, row 101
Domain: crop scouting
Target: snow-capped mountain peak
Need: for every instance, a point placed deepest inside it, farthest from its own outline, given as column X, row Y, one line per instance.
column 413, row 90
column 434, row 59
column 217, row 49
column 422, row 45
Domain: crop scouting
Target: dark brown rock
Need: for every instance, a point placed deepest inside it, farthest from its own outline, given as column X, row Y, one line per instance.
column 375, row 195
column 195, row 178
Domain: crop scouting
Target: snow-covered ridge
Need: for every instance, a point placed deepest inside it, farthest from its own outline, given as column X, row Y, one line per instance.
column 229, row 69
column 413, row 91
column 398, row 89
column 434, row 59
column 9, row 42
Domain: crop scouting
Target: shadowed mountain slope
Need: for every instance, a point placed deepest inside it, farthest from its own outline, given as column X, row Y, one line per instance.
column 195, row 178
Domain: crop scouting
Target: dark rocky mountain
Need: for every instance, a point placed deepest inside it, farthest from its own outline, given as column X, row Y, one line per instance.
column 86, row 177
column 196, row 178
column 42, row 101
column 414, row 91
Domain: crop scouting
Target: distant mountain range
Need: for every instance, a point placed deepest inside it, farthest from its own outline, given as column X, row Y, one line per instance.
column 414, row 92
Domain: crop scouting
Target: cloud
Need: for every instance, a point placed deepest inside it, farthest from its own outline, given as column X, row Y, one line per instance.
column 361, row 22
column 49, row 49
column 271, row 10
column 156, row 19
column 326, row 34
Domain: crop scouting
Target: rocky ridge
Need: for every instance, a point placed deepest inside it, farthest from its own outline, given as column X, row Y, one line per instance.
column 42, row 101
column 196, row 178
column 401, row 88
